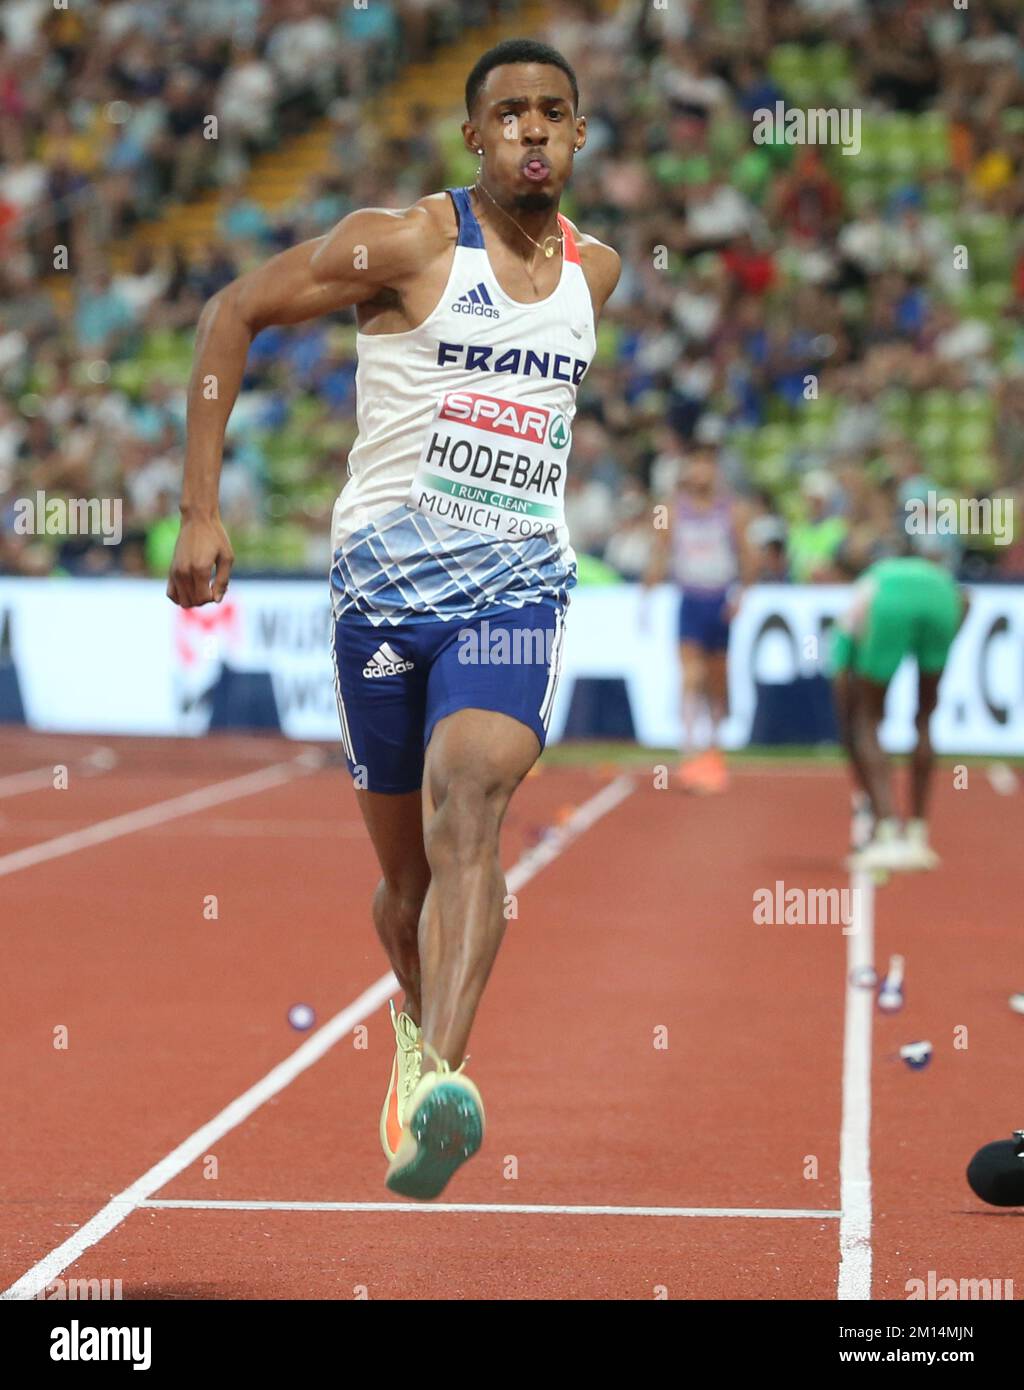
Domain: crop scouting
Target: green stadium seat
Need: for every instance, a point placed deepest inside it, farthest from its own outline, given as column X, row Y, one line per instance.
column 976, row 405
column 872, row 157
column 935, row 122
column 771, row 471
column 930, row 140
column 729, row 14
column 975, row 470
column 816, row 434
column 776, row 438
column 787, row 60
column 833, row 62
column 752, row 173
column 940, row 469
column 861, row 193
column 972, row 435
column 778, row 411
column 990, row 242
column 793, row 68
column 825, row 408
column 727, row 137
column 609, row 337
column 899, row 408
column 900, row 144
column 994, row 297
column 941, row 197
column 938, row 405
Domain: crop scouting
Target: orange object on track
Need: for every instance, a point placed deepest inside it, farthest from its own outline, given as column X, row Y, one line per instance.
column 706, row 774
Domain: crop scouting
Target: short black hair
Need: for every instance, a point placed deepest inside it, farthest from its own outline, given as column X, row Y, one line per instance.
column 517, row 51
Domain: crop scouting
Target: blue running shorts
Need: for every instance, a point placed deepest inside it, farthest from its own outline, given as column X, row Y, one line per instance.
column 702, row 619
column 394, row 683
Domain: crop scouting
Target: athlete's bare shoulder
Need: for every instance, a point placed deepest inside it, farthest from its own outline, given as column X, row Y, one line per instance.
column 440, row 210
column 602, row 266
column 431, row 220
column 430, row 223
column 395, row 243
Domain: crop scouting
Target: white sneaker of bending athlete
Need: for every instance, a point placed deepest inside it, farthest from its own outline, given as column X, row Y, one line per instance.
column 887, row 850
column 916, row 835
column 862, row 822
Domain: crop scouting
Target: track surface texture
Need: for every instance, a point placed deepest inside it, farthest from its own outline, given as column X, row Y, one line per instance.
column 664, row 1077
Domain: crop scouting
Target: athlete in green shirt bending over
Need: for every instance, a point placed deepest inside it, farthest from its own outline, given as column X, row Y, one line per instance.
column 902, row 607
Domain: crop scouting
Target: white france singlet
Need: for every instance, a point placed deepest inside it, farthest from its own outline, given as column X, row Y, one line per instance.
column 455, row 499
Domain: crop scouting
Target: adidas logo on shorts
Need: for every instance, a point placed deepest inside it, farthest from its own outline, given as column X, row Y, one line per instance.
column 385, row 662
column 477, row 302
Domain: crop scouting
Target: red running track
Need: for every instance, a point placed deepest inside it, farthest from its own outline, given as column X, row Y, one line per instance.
column 643, row 1045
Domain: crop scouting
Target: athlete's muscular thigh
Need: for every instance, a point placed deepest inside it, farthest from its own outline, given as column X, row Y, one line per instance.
column 479, row 756
column 694, row 664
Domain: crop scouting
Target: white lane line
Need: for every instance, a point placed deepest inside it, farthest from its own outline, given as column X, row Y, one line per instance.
column 497, row 1208
column 855, row 1135
column 33, row 780
column 199, row 1143
column 122, row 1206
column 160, row 811
column 207, row 828
column 100, row 760
column 559, row 837
column 43, row 1273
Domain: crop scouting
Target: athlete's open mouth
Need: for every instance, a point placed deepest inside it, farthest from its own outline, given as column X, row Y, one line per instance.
column 536, row 168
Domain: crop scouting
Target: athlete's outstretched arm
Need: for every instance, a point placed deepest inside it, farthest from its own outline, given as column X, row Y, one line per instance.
column 659, row 559
column 366, row 252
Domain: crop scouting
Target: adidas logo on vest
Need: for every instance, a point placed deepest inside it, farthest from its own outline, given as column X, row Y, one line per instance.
column 476, row 302
column 385, row 662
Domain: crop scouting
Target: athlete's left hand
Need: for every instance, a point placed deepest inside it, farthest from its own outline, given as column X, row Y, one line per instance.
column 734, row 600
column 201, row 565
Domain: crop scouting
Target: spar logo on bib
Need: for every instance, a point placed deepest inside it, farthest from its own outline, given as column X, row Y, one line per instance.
column 496, row 415
column 558, row 433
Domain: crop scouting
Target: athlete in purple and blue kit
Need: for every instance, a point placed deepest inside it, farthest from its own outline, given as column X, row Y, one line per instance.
column 701, row 547
column 476, row 312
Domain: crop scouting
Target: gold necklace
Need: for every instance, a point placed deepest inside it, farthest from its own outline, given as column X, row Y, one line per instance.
column 549, row 251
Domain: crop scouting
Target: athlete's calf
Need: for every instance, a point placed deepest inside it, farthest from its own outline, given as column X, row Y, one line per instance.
column 396, row 829
column 475, row 761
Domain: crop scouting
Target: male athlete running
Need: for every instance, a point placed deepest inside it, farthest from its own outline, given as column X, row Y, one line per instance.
column 701, row 546
column 905, row 606
column 476, row 311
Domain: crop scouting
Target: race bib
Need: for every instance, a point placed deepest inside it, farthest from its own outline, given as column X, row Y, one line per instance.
column 494, row 466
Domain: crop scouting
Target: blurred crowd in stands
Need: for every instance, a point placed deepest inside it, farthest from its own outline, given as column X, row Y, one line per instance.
column 846, row 326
